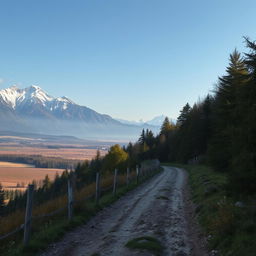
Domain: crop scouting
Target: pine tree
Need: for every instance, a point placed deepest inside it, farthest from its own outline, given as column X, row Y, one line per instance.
column 166, row 126
column 244, row 149
column 142, row 137
column 96, row 163
column 183, row 115
column 227, row 112
column 46, row 182
column 149, row 138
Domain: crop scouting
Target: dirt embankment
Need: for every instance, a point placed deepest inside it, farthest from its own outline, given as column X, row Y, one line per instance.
column 159, row 208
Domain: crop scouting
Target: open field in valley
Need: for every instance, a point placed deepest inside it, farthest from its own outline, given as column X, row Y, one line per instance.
column 75, row 153
column 15, row 165
column 12, row 173
column 11, row 176
column 50, row 146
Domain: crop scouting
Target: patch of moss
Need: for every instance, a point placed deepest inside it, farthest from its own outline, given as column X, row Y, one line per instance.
column 163, row 197
column 146, row 243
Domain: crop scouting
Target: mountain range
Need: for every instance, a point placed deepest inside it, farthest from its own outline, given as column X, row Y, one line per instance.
column 33, row 110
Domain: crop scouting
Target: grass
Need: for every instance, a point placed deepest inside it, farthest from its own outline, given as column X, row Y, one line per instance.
column 231, row 230
column 146, row 243
column 163, row 197
column 11, row 176
column 17, row 165
column 51, row 229
column 165, row 189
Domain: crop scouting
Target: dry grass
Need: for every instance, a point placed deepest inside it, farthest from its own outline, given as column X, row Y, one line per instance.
column 15, row 165
column 85, row 192
column 75, row 153
column 11, row 222
column 15, row 219
column 10, row 176
column 50, row 206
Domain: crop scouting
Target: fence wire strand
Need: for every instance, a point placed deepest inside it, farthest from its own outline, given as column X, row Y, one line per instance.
column 18, row 229
column 12, row 232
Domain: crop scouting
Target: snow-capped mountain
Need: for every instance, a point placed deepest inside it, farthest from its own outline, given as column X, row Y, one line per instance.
column 33, row 102
column 33, row 110
column 123, row 121
column 156, row 121
column 15, row 97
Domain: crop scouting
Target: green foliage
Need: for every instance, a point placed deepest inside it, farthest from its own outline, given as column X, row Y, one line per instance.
column 163, row 197
column 115, row 158
column 46, row 182
column 184, row 113
column 189, row 140
column 146, row 243
column 166, row 126
column 227, row 113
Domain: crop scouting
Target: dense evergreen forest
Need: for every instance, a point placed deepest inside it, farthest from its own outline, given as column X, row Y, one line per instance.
column 220, row 130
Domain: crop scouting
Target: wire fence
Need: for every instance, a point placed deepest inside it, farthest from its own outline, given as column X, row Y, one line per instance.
column 12, row 232
column 100, row 188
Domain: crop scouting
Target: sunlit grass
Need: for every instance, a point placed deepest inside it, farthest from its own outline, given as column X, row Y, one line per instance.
column 14, row 220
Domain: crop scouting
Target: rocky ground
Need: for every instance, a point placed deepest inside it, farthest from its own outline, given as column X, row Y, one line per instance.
column 159, row 208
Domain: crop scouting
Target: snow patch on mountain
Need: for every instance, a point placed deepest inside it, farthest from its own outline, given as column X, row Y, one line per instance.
column 15, row 97
column 35, row 93
column 156, row 121
column 10, row 96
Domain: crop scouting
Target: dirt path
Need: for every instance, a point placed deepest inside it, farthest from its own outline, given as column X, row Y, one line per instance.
column 157, row 208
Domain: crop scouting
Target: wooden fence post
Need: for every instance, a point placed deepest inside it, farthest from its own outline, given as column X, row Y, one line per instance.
column 137, row 174
column 97, row 195
column 128, row 176
column 115, row 182
column 70, row 199
column 28, row 216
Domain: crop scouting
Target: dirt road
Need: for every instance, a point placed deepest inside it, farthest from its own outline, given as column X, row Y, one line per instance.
column 158, row 208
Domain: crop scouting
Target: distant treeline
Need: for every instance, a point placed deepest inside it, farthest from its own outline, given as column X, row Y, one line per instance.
column 41, row 161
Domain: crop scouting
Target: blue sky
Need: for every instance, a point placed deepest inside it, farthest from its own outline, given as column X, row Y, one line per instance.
column 130, row 59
